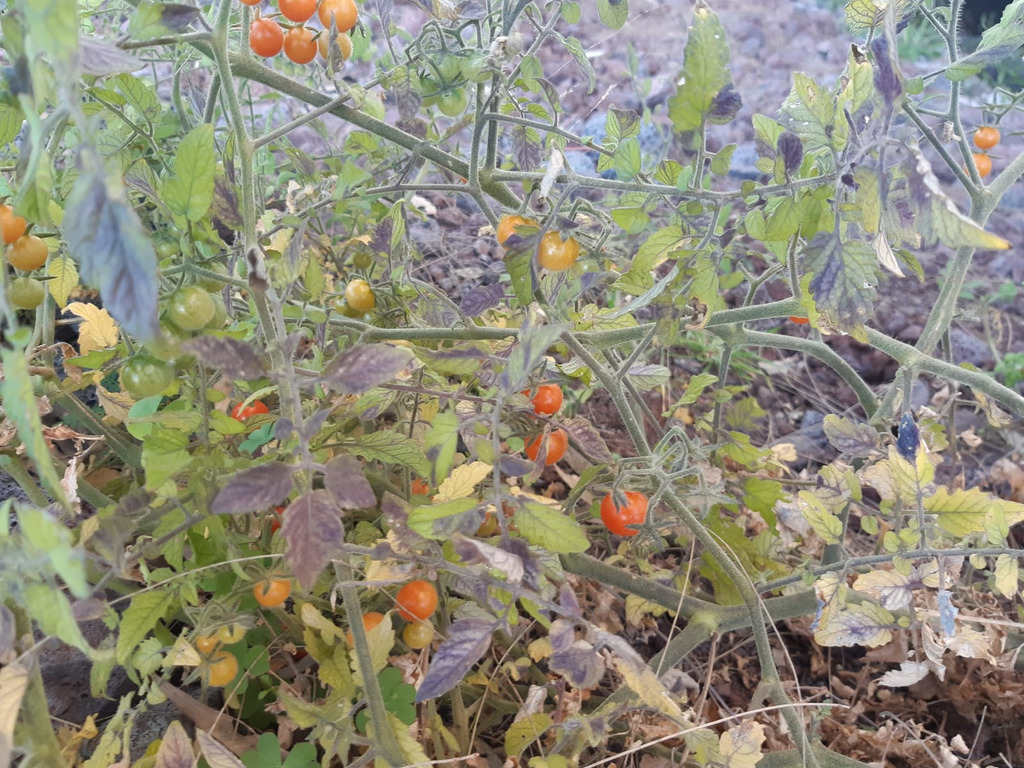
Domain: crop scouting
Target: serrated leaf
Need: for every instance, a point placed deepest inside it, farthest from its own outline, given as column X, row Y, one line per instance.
column 151, row 19
column 65, row 279
column 613, row 13
column 467, row 642
column 893, row 590
column 146, row 609
column 98, row 329
column 579, row 55
column 116, row 256
column 463, row 481
column 522, row 733
column 998, row 42
column 189, row 192
column 344, row 478
column 312, row 530
column 473, row 552
column 854, row 439
column 825, row 524
column 1007, row 575
column 585, row 435
column 440, row 521
column 363, row 367
column 390, row 448
column 705, row 72
column 648, row 376
column 579, row 664
column 441, row 442
column 550, row 528
column 864, row 624
column 233, row 358
column 740, row 746
column 966, row 511
column 254, row 490
column 175, row 750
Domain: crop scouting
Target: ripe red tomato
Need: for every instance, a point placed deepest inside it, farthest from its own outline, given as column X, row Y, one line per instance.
column 297, row 10
column 241, row 412
column 370, row 620
column 13, row 226
column 299, row 45
column 616, row 518
column 986, row 137
column 28, row 252
column 345, row 13
column 798, row 320
column 417, row 600
column 508, row 225
column 418, row 634
column 547, row 400
column 222, row 669
column 558, row 442
column 557, row 254
column 266, row 38
column 983, row 163
column 270, row 593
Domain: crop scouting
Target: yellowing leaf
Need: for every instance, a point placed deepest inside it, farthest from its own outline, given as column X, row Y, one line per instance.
column 313, row 619
column 98, row 331
column 13, row 683
column 964, row 512
column 643, row 681
column 824, row 523
column 740, row 746
column 65, row 279
column 865, row 624
column 1007, row 575
column 183, row 654
column 462, row 481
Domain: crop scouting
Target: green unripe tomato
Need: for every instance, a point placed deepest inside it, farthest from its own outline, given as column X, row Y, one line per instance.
column 450, row 68
column 362, row 260
column 474, row 68
column 26, row 292
column 165, row 249
column 190, row 308
column 167, row 346
column 453, row 103
column 145, row 376
column 212, row 284
column 220, row 314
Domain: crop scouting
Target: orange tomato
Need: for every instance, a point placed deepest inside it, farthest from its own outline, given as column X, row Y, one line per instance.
column 558, row 442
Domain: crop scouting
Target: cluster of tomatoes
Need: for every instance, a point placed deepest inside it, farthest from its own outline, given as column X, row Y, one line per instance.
column 300, row 43
column 416, row 602
column 220, row 667
column 554, row 252
column 26, row 253
column 985, row 138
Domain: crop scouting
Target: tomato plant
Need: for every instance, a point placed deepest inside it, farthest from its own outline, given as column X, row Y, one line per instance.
column 190, row 308
column 557, row 443
column 618, row 519
column 11, row 226
column 983, row 164
column 508, row 225
column 299, row 45
column 207, row 644
column 26, row 292
column 416, row 600
column 557, row 254
column 145, row 376
column 297, row 10
column 221, row 669
column 418, row 634
column 370, row 620
column 359, row 296
column 344, row 43
column 28, row 252
column 547, row 400
column 986, row 137
column 229, row 634
column 345, row 14
column 266, row 38
column 241, row 412
column 270, row 593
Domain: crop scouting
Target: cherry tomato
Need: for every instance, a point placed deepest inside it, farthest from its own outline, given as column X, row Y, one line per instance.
column 275, row 525
column 986, row 137
column 508, row 224
column 241, row 412
column 557, row 254
column 297, row 10
column 417, row 600
column 983, row 163
column 345, row 13
column 420, row 487
column 453, row 103
column 558, row 441
column 13, row 226
column 222, row 669
column 251, row 2
column 418, row 635
column 230, row 634
column 266, row 38
column 28, row 252
column 359, row 295
column 548, row 399
column 344, row 43
column 191, row 308
column 207, row 644
column 220, row 314
column 211, row 284
column 616, row 518
column 26, row 292
column 270, row 593
column 145, row 376
column 299, row 45
column 370, row 620
column 798, row 320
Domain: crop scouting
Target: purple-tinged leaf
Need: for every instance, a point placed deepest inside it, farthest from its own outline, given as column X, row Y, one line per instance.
column 562, row 635
column 99, row 58
column 225, row 202
column 474, row 552
column 283, row 429
column 725, row 105
column 152, row 19
column 514, row 466
column 115, row 255
column 312, row 530
column 909, row 438
column 361, row 368
column 381, row 239
column 583, row 434
column 579, row 665
column 844, row 279
column 344, row 478
column 253, row 490
column 854, row 439
column 467, row 642
column 478, row 300
column 175, row 749
column 791, row 150
column 568, row 600
column 887, row 76
column 233, row 358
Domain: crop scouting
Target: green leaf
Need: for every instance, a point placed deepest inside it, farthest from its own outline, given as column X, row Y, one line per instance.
column 811, row 110
column 440, row 521
column 65, row 279
column 998, row 42
column 627, row 159
column 11, row 119
column 722, row 161
column 189, row 192
column 633, row 221
column 613, row 13
column 440, row 444
column 647, row 377
column 825, row 524
column 695, row 388
column 50, row 609
column 843, row 279
column 142, row 615
column 52, row 32
column 550, row 528
column 964, row 512
column 53, row 540
column 391, row 448
column 656, row 249
column 705, row 72
column 164, row 454
column 141, row 96
column 579, row 55
column 519, row 263
column 522, row 733
column 760, row 495
column 20, row 407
